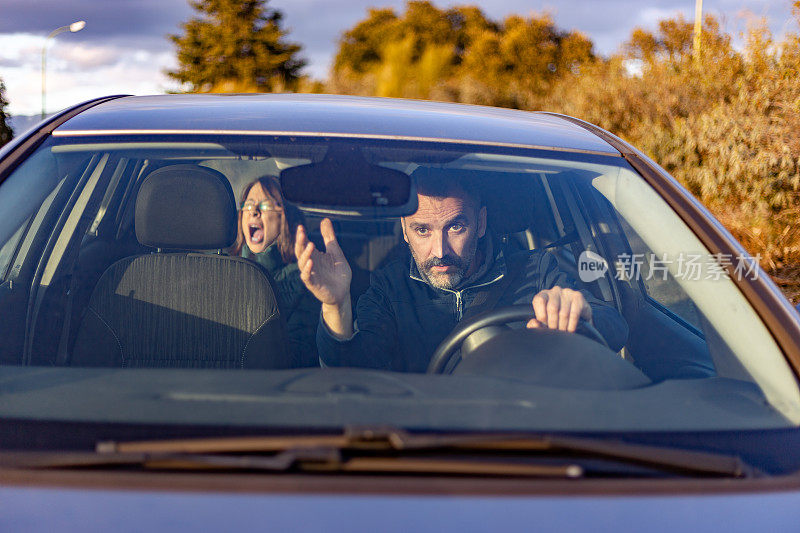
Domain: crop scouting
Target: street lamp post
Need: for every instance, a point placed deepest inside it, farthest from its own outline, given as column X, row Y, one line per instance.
column 75, row 26
column 698, row 30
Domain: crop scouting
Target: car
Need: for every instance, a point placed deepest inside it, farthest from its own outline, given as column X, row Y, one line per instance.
column 150, row 375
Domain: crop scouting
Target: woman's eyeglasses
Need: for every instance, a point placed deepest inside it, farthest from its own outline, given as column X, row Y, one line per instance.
column 261, row 207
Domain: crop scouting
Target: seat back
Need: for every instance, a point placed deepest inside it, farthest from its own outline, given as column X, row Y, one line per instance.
column 183, row 309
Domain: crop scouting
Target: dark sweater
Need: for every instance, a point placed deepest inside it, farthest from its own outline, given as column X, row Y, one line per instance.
column 297, row 305
column 401, row 319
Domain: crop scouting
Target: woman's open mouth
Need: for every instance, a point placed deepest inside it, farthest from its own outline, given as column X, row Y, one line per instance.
column 256, row 233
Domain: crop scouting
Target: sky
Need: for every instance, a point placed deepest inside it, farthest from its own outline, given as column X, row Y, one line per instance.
column 124, row 49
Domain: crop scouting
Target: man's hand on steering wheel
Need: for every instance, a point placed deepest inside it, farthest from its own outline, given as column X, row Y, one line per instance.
column 559, row 308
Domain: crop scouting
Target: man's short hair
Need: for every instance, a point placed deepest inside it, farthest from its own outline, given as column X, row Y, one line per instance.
column 443, row 183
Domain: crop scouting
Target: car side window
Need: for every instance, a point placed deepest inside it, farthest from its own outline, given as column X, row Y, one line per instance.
column 8, row 249
column 659, row 284
column 16, row 249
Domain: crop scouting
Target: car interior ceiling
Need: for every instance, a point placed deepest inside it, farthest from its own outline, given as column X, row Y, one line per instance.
column 566, row 216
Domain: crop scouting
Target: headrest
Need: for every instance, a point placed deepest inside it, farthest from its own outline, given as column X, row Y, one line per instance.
column 508, row 197
column 187, row 207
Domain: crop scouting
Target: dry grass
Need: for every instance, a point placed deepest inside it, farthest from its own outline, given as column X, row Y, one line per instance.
column 788, row 279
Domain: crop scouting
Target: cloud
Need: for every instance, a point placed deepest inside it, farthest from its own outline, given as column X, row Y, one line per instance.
column 10, row 63
column 20, row 46
column 77, row 72
column 650, row 16
column 87, row 57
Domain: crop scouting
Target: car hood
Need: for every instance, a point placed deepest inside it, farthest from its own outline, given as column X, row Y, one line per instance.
column 40, row 509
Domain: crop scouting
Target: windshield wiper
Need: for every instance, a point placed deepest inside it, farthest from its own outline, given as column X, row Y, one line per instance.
column 388, row 449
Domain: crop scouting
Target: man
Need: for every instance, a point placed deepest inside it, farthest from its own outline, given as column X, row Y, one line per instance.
column 456, row 269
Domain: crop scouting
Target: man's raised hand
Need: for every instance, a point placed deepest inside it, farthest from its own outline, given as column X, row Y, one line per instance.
column 327, row 275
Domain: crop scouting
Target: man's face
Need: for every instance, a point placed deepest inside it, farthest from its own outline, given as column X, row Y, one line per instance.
column 443, row 237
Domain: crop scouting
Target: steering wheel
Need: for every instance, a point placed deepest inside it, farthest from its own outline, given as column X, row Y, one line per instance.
column 503, row 315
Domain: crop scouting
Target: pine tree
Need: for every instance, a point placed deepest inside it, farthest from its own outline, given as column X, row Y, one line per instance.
column 236, row 46
column 5, row 129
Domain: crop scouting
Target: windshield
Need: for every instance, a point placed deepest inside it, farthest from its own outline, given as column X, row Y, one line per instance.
column 167, row 280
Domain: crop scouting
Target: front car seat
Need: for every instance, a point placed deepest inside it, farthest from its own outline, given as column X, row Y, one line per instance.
column 183, row 309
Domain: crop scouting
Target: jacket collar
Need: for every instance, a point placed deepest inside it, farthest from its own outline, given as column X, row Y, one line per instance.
column 269, row 258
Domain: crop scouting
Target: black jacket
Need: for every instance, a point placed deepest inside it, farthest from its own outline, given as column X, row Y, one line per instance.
column 401, row 319
column 297, row 305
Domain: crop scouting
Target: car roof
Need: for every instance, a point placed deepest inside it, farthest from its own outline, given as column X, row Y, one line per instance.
column 333, row 115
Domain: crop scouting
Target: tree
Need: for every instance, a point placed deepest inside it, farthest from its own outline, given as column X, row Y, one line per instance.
column 5, row 129
column 521, row 61
column 236, row 46
column 456, row 54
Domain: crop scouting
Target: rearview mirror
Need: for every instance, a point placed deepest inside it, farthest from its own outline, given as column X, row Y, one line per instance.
column 346, row 185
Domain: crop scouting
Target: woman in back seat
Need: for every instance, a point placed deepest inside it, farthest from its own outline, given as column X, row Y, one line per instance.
column 266, row 235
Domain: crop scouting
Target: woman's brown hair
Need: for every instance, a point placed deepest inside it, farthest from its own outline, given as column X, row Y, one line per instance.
column 291, row 217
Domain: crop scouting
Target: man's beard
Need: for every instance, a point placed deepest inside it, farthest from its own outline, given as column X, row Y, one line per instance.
column 449, row 280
